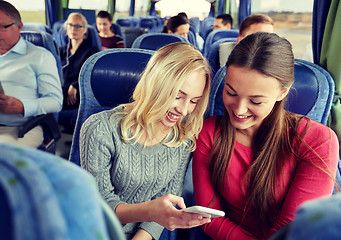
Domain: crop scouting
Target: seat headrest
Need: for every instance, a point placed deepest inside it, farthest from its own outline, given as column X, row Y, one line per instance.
column 125, row 68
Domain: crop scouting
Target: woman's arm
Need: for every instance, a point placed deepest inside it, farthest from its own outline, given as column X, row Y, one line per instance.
column 311, row 179
column 220, row 228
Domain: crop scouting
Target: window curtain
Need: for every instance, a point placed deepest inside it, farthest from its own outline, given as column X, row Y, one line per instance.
column 320, row 12
column 244, row 10
column 132, row 8
column 331, row 59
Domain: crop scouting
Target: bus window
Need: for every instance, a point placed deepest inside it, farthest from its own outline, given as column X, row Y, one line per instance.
column 292, row 20
column 31, row 11
column 93, row 4
column 193, row 8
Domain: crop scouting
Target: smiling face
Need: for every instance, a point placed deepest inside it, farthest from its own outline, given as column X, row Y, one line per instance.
column 187, row 98
column 249, row 96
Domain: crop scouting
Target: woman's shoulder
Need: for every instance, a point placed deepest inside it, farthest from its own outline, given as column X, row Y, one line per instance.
column 315, row 131
column 104, row 119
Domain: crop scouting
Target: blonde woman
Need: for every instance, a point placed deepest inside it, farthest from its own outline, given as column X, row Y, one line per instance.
column 138, row 152
column 73, row 55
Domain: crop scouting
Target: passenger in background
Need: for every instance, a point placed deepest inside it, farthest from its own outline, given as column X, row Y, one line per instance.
column 29, row 81
column 255, row 23
column 183, row 14
column 251, row 24
column 73, row 55
column 138, row 152
column 223, row 22
column 108, row 38
column 177, row 25
column 259, row 162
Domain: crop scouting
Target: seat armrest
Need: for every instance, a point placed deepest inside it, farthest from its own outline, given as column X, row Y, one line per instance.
column 47, row 121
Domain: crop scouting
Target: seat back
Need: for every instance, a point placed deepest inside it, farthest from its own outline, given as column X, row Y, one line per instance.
column 154, row 41
column 46, row 197
column 44, row 39
column 107, row 79
column 213, row 55
column 36, row 26
column 149, row 23
column 311, row 94
column 216, row 35
column 206, row 26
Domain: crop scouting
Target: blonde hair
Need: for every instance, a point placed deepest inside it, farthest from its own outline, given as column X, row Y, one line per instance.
column 79, row 15
column 158, row 87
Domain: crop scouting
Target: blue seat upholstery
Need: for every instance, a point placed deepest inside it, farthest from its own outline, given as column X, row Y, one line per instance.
column 206, row 26
column 45, row 197
column 194, row 24
column 45, row 40
column 213, row 54
column 36, row 26
column 124, row 22
column 154, row 41
column 149, row 23
column 216, row 35
column 106, row 80
column 311, row 94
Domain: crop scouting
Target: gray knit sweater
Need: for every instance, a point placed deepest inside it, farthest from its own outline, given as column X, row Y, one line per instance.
column 130, row 173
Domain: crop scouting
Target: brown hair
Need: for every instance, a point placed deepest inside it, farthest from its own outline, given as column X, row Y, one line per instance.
column 10, row 11
column 254, row 19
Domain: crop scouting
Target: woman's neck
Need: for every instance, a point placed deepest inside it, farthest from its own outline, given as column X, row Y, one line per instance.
column 75, row 45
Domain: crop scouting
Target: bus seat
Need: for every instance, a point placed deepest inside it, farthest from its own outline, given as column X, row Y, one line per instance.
column 311, row 94
column 194, row 24
column 192, row 39
column 206, row 26
column 124, row 22
column 47, row 121
column 216, row 35
column 213, row 55
column 106, row 80
column 131, row 33
column 43, row 196
column 154, row 41
column 315, row 219
column 36, row 26
column 89, row 14
column 149, row 23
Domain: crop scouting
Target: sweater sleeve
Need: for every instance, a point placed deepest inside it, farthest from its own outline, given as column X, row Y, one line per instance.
column 96, row 152
column 311, row 179
column 174, row 187
column 222, row 227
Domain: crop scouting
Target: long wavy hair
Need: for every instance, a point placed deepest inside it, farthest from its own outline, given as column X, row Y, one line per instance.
column 158, row 87
column 271, row 55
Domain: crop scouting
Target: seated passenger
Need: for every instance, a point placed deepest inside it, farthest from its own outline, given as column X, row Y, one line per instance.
column 138, row 152
column 108, row 38
column 259, row 162
column 177, row 25
column 73, row 55
column 223, row 22
column 251, row 24
column 29, row 79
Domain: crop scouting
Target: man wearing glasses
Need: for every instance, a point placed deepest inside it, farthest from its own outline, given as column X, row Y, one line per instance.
column 29, row 79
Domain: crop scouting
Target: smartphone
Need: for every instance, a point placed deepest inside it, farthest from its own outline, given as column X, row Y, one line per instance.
column 204, row 211
column 1, row 89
